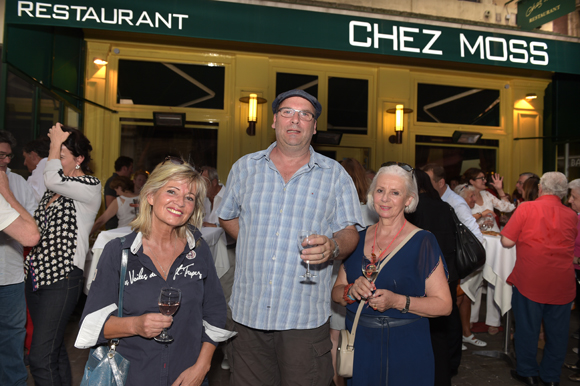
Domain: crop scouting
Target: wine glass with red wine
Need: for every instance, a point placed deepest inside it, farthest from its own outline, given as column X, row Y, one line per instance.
column 169, row 300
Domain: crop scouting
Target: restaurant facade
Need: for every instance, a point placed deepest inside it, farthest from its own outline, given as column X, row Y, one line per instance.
column 147, row 79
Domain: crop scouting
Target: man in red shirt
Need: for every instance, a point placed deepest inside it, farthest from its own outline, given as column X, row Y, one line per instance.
column 544, row 232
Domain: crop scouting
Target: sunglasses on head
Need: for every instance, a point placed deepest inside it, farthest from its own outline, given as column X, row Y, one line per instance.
column 402, row 165
column 173, row 160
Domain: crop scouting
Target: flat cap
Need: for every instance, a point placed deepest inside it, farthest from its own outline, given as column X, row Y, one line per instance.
column 301, row 94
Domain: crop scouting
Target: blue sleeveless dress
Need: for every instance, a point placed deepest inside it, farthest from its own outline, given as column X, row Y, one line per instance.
column 401, row 355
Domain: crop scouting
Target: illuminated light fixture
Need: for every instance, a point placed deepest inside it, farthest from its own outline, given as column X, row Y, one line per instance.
column 399, row 112
column 466, row 137
column 253, row 101
column 100, row 62
column 531, row 96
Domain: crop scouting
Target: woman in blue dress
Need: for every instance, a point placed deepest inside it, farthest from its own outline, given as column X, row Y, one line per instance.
column 392, row 345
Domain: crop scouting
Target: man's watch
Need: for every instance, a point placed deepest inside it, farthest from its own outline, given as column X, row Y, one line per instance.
column 336, row 249
column 406, row 309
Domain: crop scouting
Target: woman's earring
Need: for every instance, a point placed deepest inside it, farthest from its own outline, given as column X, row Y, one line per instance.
column 77, row 167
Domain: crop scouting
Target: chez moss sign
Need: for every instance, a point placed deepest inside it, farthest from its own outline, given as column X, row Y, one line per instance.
column 320, row 29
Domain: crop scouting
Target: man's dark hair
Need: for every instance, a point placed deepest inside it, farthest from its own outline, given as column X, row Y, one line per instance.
column 7, row 137
column 123, row 161
column 40, row 146
column 438, row 171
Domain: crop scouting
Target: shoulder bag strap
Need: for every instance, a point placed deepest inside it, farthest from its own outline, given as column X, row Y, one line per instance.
column 361, row 304
column 124, row 259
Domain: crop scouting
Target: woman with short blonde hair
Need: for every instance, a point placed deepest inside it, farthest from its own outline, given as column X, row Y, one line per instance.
column 165, row 250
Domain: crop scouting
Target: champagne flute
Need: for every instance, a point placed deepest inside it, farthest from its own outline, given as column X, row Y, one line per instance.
column 169, row 300
column 303, row 238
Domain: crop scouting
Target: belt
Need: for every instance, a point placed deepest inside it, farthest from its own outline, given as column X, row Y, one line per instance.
column 379, row 321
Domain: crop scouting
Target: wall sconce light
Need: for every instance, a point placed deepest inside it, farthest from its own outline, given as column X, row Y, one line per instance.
column 531, row 96
column 100, row 62
column 253, row 101
column 399, row 112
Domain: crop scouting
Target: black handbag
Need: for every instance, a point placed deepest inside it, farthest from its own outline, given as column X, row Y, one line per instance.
column 470, row 251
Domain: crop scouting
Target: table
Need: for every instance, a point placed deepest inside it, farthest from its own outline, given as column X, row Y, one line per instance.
column 499, row 263
column 214, row 237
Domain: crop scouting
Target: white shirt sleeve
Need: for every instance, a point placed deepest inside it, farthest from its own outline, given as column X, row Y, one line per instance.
column 22, row 192
column 7, row 213
column 36, row 180
column 463, row 212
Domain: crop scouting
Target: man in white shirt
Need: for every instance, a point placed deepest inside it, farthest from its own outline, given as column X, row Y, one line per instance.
column 214, row 196
column 35, row 156
column 16, row 226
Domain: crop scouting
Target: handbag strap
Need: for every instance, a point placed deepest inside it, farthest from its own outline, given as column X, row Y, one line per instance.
column 124, row 258
column 383, row 263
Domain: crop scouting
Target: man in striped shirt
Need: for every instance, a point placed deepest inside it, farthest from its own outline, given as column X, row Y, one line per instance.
column 282, row 320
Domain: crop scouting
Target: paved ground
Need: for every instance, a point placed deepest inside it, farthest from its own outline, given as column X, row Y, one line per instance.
column 474, row 371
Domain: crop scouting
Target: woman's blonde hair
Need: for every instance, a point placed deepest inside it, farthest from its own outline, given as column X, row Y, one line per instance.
column 172, row 169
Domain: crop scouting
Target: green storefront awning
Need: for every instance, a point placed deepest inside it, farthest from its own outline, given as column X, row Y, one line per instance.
column 310, row 27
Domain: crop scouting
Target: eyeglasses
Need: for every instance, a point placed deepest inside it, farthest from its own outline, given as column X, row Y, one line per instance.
column 463, row 187
column 481, row 178
column 4, row 155
column 402, row 165
column 304, row 115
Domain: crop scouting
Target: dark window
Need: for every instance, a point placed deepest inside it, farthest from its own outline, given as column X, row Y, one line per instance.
column 48, row 113
column 20, row 104
column 457, row 105
column 286, row 82
column 149, row 145
column 348, row 105
column 170, row 84
column 573, row 159
column 455, row 160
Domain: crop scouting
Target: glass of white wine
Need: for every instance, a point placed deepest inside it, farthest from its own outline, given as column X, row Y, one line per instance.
column 169, row 300
column 303, row 244
column 370, row 268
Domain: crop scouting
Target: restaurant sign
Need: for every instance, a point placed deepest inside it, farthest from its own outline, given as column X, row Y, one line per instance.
column 313, row 28
column 535, row 13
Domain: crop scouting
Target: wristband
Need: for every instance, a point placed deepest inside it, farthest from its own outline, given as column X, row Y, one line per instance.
column 347, row 298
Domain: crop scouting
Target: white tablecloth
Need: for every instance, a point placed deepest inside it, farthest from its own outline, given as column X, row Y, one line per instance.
column 498, row 266
column 215, row 238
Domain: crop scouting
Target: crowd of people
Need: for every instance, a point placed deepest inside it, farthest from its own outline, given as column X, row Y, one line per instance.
column 413, row 313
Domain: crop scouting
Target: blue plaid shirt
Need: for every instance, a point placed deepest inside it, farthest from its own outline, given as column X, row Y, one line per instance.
column 320, row 196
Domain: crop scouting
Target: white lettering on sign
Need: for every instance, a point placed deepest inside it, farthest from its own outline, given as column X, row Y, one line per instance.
column 574, row 162
column 538, row 54
column 103, row 15
column 402, row 39
column 486, row 48
column 427, row 49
